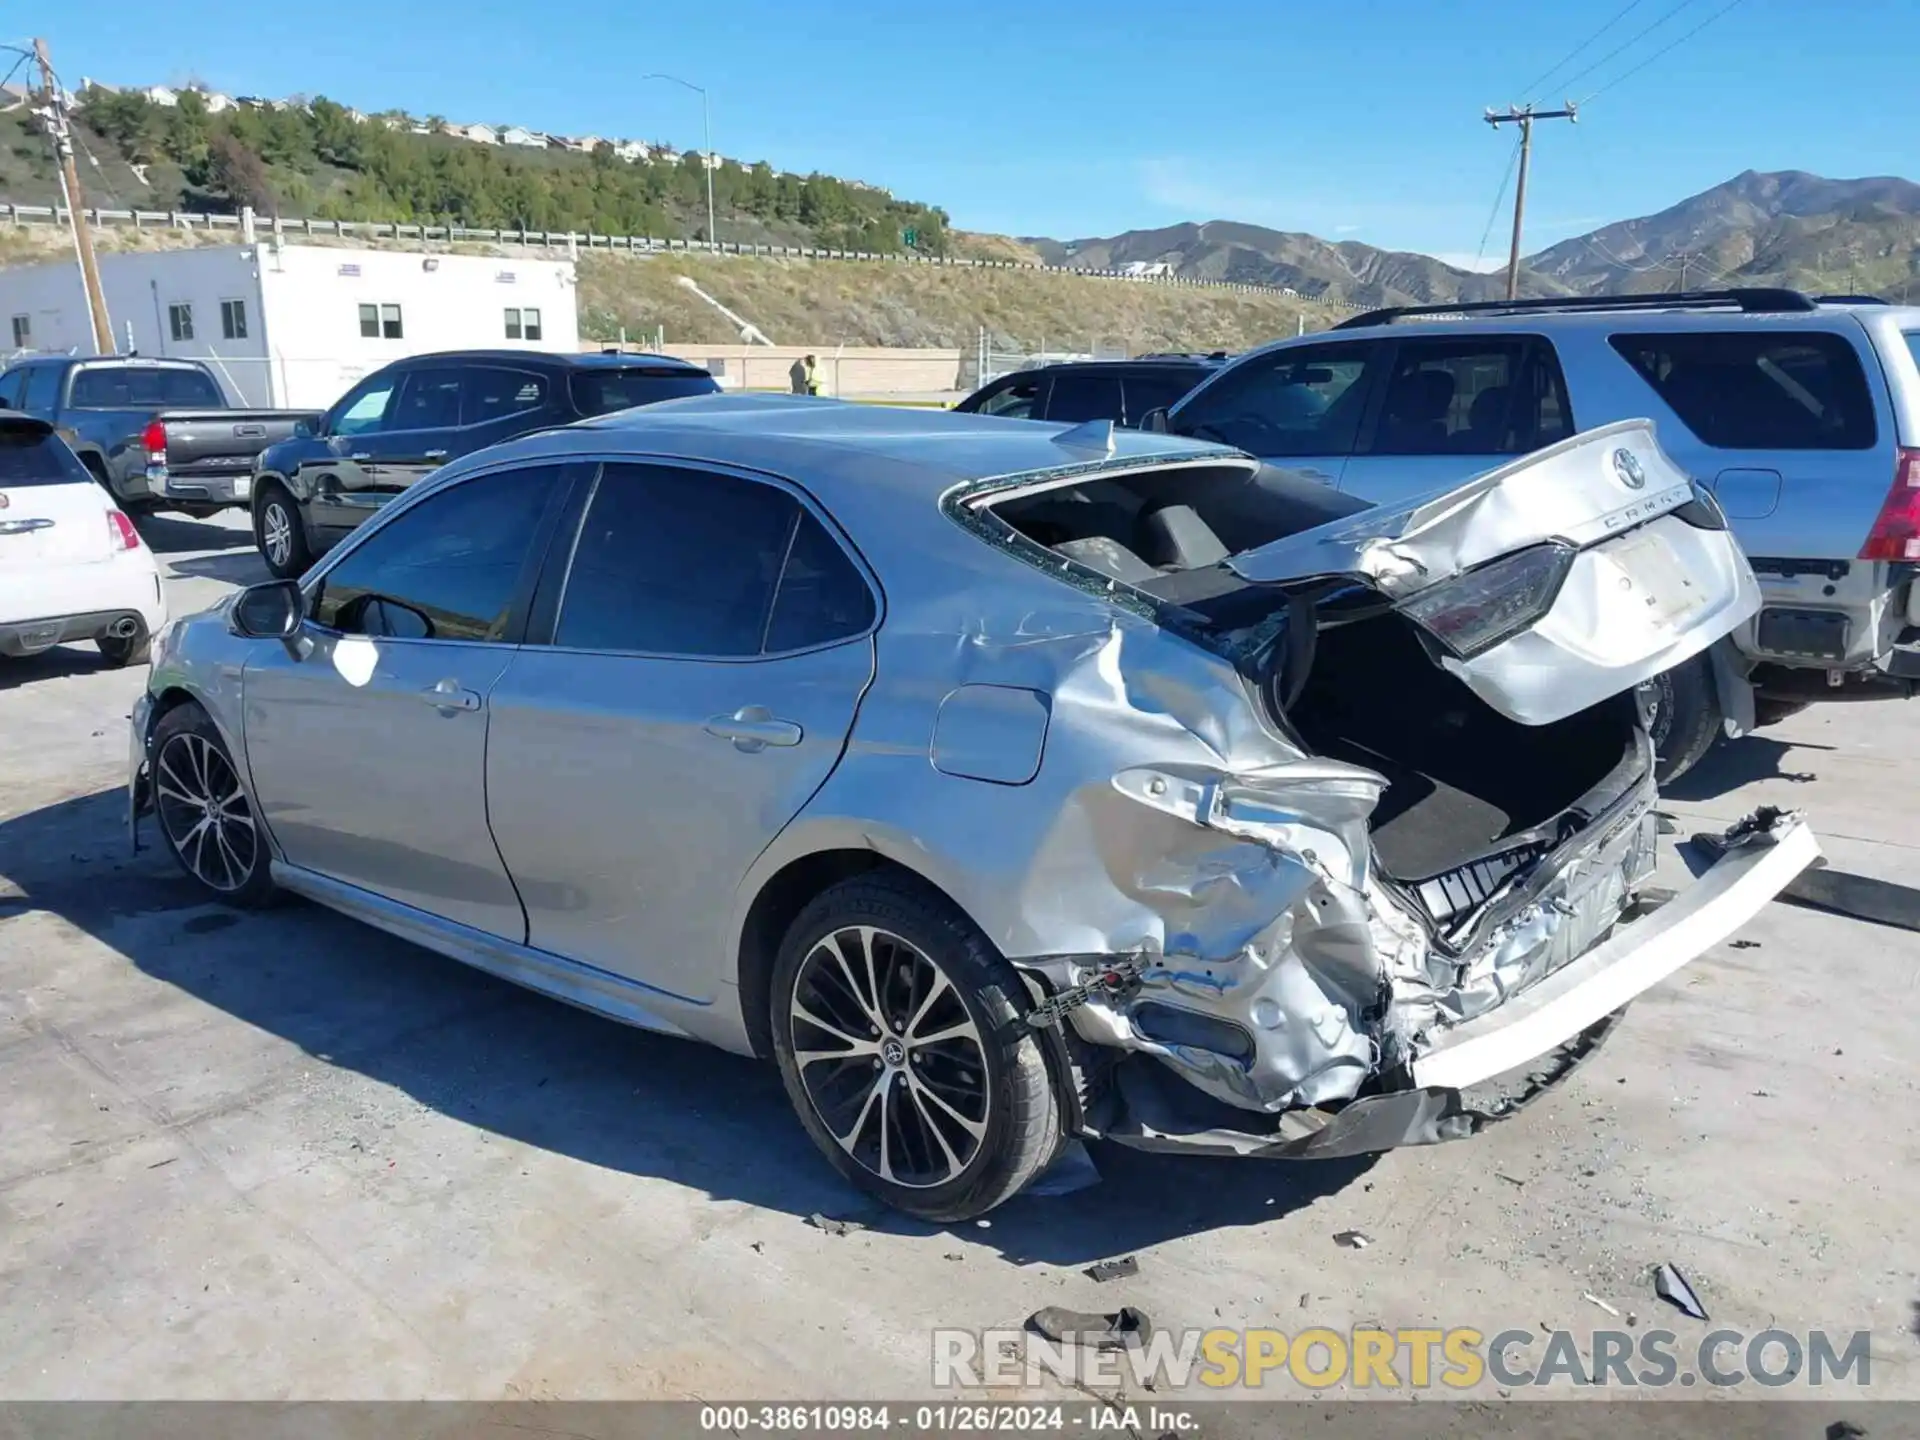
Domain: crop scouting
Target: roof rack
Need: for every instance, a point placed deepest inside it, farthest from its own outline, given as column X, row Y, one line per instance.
column 1763, row 301
column 1850, row 299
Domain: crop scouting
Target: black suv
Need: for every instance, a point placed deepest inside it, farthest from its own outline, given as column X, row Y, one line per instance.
column 1122, row 391
column 403, row 422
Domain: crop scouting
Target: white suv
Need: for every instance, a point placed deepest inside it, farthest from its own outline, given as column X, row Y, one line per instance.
column 1801, row 416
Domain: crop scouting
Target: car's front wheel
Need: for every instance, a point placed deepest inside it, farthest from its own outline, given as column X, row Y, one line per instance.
column 899, row 1034
column 278, row 533
column 206, row 820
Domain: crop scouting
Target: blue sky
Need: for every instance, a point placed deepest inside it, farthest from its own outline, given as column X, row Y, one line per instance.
column 1352, row 120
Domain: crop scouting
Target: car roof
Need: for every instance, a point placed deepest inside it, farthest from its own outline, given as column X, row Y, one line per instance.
column 837, row 449
column 559, row 359
column 1137, row 362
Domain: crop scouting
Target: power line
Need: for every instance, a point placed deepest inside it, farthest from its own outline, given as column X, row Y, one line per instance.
column 1493, row 214
column 1664, row 49
column 1628, row 43
column 1534, row 87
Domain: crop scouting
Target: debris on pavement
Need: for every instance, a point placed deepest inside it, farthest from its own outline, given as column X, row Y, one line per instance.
column 1353, row 1239
column 1119, row 1269
column 1126, row 1328
column 1846, row 1430
column 1744, row 944
column 1073, row 1169
column 833, row 1226
column 1511, row 1180
column 1593, row 1299
column 1670, row 1285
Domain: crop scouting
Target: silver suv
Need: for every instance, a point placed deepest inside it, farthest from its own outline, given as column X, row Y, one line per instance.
column 1800, row 415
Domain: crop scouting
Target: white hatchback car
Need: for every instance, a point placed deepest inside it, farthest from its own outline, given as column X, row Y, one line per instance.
column 72, row 567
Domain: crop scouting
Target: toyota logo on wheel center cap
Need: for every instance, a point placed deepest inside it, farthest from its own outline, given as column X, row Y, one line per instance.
column 1627, row 466
column 893, row 1052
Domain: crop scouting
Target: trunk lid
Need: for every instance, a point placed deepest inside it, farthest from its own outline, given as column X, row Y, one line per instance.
column 1547, row 585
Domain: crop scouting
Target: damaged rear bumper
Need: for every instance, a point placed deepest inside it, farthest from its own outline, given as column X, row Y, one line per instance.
column 1463, row 1076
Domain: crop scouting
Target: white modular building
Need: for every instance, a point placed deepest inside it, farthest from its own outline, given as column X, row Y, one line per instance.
column 294, row 326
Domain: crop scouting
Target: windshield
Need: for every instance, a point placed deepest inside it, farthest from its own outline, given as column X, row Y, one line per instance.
column 597, row 392
column 30, row 455
column 133, row 387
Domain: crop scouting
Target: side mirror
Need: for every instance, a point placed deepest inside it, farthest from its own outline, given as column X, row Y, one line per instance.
column 273, row 611
column 1155, row 421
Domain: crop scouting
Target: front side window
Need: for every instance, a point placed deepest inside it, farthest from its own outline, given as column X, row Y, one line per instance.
column 180, row 321
column 22, row 331
column 1017, row 401
column 449, row 568
column 1305, row 401
column 233, row 319
column 1759, row 389
column 686, row 563
column 429, row 400
column 364, row 410
column 13, row 387
column 1493, row 396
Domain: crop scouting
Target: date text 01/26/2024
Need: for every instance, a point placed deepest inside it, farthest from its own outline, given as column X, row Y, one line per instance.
column 945, row 1419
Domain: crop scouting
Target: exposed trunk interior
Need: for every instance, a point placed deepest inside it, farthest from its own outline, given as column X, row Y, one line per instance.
column 1465, row 780
column 1463, row 777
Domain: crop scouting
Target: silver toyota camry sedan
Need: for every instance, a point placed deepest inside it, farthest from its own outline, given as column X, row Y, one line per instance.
column 1002, row 782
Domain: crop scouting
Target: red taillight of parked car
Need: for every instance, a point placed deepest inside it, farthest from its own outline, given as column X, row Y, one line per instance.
column 1896, row 529
column 154, row 438
column 121, row 530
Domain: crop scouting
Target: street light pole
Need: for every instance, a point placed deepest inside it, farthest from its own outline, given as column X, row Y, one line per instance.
column 706, row 141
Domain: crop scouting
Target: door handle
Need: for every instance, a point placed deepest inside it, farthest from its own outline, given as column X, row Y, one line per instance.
column 436, row 454
column 752, row 728
column 361, row 455
column 448, row 696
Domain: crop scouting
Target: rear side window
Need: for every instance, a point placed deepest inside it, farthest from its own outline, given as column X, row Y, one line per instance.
column 430, row 400
column 705, row 566
column 131, row 387
column 1472, row 397
column 30, row 456
column 42, row 390
column 1153, row 392
column 599, row 392
column 1756, row 390
column 496, row 394
column 1079, row 396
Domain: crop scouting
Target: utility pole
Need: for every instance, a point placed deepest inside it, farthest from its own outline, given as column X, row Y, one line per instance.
column 1523, row 116
column 62, row 133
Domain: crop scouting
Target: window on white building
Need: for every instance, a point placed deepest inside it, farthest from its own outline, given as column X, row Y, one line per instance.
column 523, row 323
column 233, row 319
column 380, row 322
column 180, row 321
column 22, row 331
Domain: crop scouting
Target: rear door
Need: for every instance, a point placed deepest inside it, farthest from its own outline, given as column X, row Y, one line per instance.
column 1148, row 390
column 711, row 645
column 1560, row 579
column 1454, row 407
column 1015, row 397
column 1299, row 406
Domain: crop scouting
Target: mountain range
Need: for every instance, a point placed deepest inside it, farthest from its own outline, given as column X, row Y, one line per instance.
column 1776, row 228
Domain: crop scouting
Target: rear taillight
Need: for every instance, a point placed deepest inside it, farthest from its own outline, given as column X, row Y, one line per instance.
column 1896, row 529
column 120, row 530
column 154, row 438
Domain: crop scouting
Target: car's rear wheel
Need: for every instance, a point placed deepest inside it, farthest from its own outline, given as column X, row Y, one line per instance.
column 206, row 820
column 279, row 535
column 899, row 1033
column 1686, row 719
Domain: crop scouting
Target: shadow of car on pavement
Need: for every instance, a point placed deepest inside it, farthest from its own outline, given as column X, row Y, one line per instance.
column 492, row 1055
column 1746, row 761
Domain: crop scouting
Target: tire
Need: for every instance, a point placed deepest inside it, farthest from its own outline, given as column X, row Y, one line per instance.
column 136, row 649
column 1687, row 719
column 967, row 1119
column 229, row 859
column 275, row 507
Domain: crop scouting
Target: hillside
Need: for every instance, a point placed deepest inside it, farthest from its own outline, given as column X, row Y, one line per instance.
column 1782, row 228
column 1347, row 271
column 828, row 302
column 326, row 162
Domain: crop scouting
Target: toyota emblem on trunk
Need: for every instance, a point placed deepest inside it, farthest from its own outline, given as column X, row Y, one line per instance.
column 1627, row 466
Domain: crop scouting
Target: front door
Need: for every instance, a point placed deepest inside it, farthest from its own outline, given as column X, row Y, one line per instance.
column 367, row 738
column 340, row 479
column 1298, row 406
column 1456, row 408
column 708, row 656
